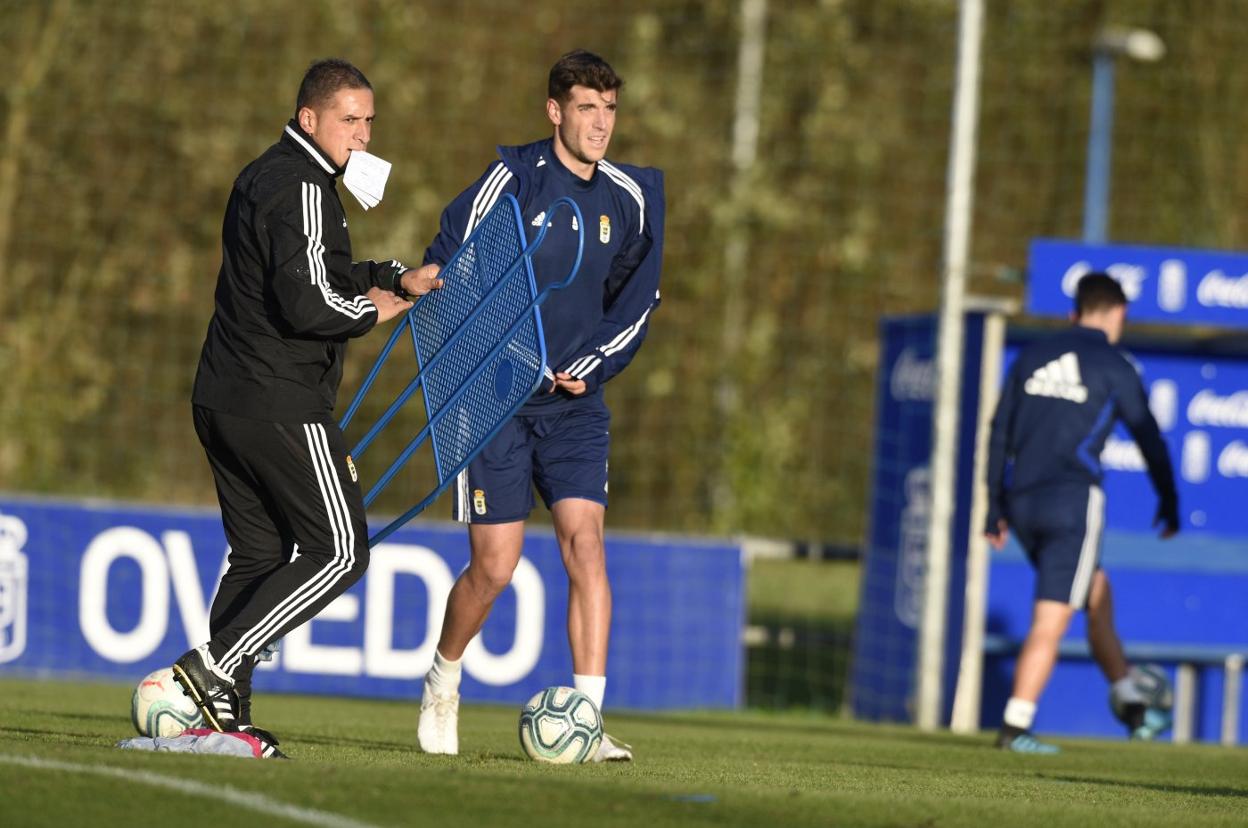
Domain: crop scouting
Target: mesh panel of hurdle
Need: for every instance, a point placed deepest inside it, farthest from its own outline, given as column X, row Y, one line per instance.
column 479, row 346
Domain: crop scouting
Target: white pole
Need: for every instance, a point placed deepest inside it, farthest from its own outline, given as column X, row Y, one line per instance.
column 1232, row 691
column 959, row 194
column 966, row 699
column 745, row 130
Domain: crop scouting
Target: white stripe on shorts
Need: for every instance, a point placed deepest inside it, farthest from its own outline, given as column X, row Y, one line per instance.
column 1090, row 552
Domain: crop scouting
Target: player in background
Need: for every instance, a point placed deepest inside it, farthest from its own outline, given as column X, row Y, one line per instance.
column 288, row 298
column 559, row 439
column 1059, row 403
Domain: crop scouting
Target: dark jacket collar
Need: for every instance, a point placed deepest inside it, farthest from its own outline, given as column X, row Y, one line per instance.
column 295, row 136
column 1091, row 333
column 542, row 153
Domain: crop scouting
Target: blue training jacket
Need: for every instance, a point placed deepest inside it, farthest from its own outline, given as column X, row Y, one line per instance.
column 1058, row 406
column 595, row 326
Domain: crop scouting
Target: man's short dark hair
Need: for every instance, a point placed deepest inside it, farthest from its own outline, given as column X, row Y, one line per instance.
column 324, row 78
column 1097, row 292
column 581, row 68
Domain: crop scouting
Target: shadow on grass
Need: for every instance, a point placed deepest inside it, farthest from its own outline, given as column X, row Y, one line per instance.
column 102, row 718
column 56, row 735
column 1241, row 793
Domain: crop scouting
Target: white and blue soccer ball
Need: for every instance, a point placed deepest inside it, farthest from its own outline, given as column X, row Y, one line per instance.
column 1154, row 686
column 159, row 708
column 560, row 725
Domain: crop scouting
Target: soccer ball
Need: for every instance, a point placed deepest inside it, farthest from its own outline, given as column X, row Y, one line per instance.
column 158, row 707
column 1154, row 685
column 560, row 725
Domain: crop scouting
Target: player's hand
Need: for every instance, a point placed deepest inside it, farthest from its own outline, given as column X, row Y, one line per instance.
column 1167, row 517
column 566, row 382
column 388, row 303
column 999, row 537
column 420, row 280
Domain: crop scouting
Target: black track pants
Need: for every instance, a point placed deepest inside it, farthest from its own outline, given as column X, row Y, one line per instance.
column 284, row 488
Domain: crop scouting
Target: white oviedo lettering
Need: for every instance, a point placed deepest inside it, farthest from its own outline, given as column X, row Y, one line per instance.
column 1122, row 455
column 1233, row 461
column 381, row 657
column 1209, row 409
column 913, row 378
column 1217, row 290
column 153, row 597
column 168, row 574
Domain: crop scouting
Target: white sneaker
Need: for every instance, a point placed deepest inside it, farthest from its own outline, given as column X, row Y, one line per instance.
column 438, row 731
column 613, row 751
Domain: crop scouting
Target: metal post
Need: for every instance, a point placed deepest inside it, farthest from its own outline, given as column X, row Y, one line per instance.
column 966, row 698
column 1232, row 690
column 1184, row 703
column 745, row 130
column 1136, row 44
column 1100, row 137
column 959, row 198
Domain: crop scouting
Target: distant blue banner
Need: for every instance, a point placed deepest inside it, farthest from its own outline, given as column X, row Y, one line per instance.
column 891, row 599
column 116, row 591
column 1165, row 284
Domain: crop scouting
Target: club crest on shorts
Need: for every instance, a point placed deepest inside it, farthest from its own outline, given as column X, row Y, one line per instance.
column 355, row 478
column 604, row 229
column 478, row 501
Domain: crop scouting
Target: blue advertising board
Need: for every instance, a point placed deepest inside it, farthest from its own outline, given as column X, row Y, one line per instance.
column 115, row 591
column 1165, row 284
column 883, row 678
column 1185, row 591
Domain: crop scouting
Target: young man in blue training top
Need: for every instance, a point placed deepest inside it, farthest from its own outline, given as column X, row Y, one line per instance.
column 1057, row 408
column 559, row 439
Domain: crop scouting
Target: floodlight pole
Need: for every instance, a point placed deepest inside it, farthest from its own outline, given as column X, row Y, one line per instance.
column 1100, row 135
column 956, row 255
column 1137, row 44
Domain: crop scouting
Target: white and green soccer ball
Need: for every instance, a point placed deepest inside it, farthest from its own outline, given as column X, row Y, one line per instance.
column 1154, row 686
column 159, row 708
column 560, row 725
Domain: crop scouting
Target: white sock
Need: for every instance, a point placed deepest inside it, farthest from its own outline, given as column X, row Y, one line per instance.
column 1126, row 691
column 1020, row 713
column 444, row 675
column 593, row 686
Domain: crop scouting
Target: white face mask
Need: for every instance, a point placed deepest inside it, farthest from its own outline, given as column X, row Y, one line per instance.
column 365, row 176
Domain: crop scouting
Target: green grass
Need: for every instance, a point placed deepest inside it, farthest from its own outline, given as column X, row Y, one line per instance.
column 356, row 759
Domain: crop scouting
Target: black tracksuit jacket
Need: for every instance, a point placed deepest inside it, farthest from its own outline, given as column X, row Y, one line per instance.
column 288, row 295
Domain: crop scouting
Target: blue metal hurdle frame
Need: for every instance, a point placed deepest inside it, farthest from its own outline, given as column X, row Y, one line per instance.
column 520, row 268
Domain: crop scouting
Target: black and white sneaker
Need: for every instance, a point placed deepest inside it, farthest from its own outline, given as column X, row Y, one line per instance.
column 268, row 742
column 212, row 694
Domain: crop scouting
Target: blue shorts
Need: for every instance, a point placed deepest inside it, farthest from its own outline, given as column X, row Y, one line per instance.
column 563, row 454
column 1060, row 529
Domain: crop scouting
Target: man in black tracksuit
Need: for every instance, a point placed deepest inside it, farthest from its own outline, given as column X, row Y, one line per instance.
column 1059, row 403
column 288, row 298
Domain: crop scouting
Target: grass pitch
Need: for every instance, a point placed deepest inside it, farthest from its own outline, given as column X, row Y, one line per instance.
column 356, row 765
